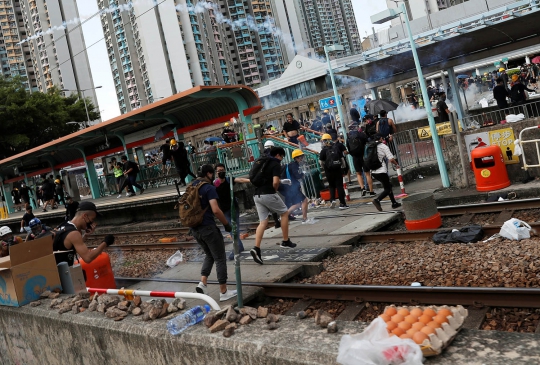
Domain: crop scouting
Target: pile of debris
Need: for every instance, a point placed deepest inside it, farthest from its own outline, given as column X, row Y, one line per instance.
column 227, row 320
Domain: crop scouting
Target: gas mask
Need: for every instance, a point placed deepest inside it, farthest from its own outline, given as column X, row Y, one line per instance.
column 221, row 174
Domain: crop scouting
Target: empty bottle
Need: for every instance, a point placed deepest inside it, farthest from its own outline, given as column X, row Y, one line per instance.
column 178, row 324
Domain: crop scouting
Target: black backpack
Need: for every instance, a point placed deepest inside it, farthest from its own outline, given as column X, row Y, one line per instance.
column 333, row 158
column 384, row 127
column 371, row 129
column 356, row 145
column 515, row 95
column 257, row 174
column 371, row 159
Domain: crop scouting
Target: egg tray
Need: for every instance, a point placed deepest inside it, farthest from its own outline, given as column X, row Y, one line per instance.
column 443, row 336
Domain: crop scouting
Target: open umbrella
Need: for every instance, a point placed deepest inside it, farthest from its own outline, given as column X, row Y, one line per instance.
column 375, row 106
column 536, row 59
column 214, row 139
column 163, row 131
column 462, row 76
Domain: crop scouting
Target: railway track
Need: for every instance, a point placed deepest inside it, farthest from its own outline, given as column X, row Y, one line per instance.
column 153, row 246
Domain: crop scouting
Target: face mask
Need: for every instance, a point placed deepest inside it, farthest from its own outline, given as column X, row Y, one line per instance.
column 221, row 174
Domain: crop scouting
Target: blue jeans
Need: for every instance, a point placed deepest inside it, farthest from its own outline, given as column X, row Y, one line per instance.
column 228, row 216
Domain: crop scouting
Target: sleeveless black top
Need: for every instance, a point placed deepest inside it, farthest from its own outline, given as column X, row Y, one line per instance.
column 58, row 244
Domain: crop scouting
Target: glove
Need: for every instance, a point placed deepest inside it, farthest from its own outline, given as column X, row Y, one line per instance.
column 22, row 230
column 109, row 239
column 228, row 227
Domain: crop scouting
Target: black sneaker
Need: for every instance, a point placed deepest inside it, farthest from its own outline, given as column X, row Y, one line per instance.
column 396, row 205
column 377, row 204
column 292, row 217
column 343, row 206
column 278, row 224
column 372, row 193
column 256, row 254
column 288, row 244
column 364, row 192
column 142, row 191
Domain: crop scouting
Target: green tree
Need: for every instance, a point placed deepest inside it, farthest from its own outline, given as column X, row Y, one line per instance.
column 28, row 120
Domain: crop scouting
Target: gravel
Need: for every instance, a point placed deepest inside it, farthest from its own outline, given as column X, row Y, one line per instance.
column 512, row 319
column 497, row 263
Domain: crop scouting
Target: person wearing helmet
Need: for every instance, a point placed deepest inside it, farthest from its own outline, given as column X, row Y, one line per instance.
column 7, row 239
column 165, row 150
column 267, row 147
column 69, row 236
column 59, row 190
column 504, row 76
column 517, row 92
column 332, row 158
column 38, row 230
column 228, row 134
column 294, row 198
column 291, row 129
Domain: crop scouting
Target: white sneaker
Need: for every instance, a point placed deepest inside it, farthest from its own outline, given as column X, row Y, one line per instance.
column 119, row 196
column 201, row 288
column 227, row 295
column 127, row 194
column 333, row 204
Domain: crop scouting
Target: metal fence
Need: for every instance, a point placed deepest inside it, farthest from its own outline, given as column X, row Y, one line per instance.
column 412, row 150
column 529, row 110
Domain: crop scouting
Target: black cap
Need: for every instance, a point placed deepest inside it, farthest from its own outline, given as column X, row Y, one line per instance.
column 88, row 206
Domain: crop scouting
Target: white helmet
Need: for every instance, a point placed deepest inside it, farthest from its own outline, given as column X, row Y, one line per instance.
column 268, row 144
column 5, row 230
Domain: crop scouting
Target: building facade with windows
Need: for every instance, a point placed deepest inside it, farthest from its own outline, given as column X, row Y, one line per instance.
column 53, row 58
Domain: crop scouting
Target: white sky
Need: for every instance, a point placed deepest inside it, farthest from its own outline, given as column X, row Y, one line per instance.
column 101, row 69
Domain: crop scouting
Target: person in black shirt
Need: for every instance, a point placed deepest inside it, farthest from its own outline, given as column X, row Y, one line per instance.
column 166, row 154
column 517, row 92
column 181, row 161
column 356, row 145
column 442, row 109
column 291, row 129
column 228, row 134
column 331, row 131
column 25, row 222
column 131, row 169
column 355, row 115
column 71, row 208
column 25, row 193
column 268, row 201
column 500, row 93
column 47, row 189
column 332, row 152
column 223, row 188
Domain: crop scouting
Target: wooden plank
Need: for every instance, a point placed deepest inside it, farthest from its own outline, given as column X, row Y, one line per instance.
column 465, row 218
column 351, row 312
column 503, row 217
column 301, row 305
column 475, row 318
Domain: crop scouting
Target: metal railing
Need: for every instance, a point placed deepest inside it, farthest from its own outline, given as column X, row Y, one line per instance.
column 411, row 150
column 236, row 157
column 529, row 110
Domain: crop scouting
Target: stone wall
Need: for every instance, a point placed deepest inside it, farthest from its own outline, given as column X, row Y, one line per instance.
column 515, row 171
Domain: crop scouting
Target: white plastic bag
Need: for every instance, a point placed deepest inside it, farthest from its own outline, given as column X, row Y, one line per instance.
column 511, row 118
column 175, row 259
column 514, row 229
column 517, row 148
column 375, row 347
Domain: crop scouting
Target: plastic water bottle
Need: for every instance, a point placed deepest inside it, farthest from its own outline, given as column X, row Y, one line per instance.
column 178, row 324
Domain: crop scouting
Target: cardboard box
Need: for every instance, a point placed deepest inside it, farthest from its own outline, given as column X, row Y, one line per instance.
column 29, row 270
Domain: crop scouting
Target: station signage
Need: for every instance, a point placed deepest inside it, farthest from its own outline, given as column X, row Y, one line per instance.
column 328, row 103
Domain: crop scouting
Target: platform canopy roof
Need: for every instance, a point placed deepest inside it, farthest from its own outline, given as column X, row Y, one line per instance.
column 505, row 29
column 192, row 109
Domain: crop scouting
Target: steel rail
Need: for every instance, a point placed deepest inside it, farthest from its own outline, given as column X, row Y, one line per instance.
column 474, row 296
column 492, row 207
column 153, row 246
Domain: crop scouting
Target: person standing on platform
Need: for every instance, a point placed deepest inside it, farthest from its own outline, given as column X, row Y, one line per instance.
column 25, row 194
column 266, row 172
column 332, row 158
column 131, row 169
column 69, row 236
column 223, row 188
column 209, row 236
column 181, row 161
column 355, row 115
column 291, row 129
column 47, row 188
column 381, row 173
column 59, row 190
column 71, row 208
column 165, row 154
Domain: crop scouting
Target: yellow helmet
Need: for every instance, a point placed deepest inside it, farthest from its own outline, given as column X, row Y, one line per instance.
column 326, row 137
column 173, row 142
column 227, row 124
column 326, row 110
column 501, row 69
column 57, row 181
column 297, row 153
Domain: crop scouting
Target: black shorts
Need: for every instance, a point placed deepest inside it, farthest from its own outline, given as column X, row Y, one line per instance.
column 358, row 163
column 48, row 196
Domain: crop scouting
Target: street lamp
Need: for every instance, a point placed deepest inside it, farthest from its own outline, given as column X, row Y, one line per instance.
column 390, row 14
column 84, row 100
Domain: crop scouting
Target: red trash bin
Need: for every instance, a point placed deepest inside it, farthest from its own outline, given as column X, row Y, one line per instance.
column 489, row 168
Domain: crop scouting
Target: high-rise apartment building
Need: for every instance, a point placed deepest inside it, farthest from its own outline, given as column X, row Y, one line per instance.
column 159, row 49
column 327, row 22
column 14, row 56
column 55, row 58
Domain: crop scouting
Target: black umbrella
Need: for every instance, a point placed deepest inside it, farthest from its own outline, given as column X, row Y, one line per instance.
column 163, row 131
column 375, row 106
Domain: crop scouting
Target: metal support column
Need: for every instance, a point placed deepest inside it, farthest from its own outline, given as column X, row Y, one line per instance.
column 457, row 97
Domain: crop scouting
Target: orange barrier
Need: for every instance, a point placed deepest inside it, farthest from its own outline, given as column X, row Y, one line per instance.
column 435, row 221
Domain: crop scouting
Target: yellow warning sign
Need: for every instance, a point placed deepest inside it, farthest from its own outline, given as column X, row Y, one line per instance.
column 442, row 129
column 504, row 138
column 485, row 173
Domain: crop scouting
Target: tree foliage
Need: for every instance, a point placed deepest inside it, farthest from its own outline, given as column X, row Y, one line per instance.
column 28, row 120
